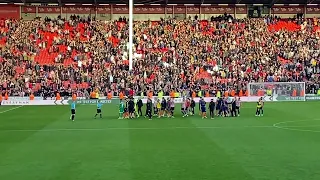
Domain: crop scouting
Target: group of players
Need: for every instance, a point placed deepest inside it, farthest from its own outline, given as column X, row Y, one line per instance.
column 223, row 107
column 131, row 108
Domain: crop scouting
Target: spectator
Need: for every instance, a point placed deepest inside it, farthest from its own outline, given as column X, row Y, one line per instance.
column 80, row 55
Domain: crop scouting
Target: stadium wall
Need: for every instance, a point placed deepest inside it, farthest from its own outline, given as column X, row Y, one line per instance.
column 39, row 100
column 312, row 11
column 27, row 101
column 152, row 12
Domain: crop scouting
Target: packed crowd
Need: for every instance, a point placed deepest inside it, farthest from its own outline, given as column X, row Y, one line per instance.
column 79, row 55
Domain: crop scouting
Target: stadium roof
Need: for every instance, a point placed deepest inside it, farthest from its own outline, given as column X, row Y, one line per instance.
column 265, row 2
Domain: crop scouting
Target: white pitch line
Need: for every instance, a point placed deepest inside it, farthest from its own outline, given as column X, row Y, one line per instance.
column 137, row 128
column 276, row 125
column 10, row 109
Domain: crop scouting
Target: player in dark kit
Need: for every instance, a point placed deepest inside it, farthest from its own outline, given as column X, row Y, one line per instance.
column 218, row 107
column 192, row 106
column 212, row 105
column 168, row 108
column 223, row 108
column 203, row 108
column 149, row 108
column 139, row 104
column 163, row 107
column 131, row 108
column 234, row 108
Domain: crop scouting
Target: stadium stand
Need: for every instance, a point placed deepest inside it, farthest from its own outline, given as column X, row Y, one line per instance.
column 46, row 56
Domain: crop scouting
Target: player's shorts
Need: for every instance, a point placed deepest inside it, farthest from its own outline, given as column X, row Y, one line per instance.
column 125, row 109
column 73, row 111
column 217, row 108
column 163, row 108
column 182, row 109
column 131, row 110
column 172, row 108
column 237, row 107
column 98, row 110
column 203, row 109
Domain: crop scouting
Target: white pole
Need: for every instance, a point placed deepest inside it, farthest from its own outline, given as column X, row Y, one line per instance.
column 130, row 33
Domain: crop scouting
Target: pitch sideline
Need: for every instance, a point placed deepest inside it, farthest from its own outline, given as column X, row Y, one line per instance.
column 11, row 109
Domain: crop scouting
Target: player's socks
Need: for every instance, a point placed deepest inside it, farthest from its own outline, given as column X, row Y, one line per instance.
column 72, row 117
column 120, row 116
column 100, row 115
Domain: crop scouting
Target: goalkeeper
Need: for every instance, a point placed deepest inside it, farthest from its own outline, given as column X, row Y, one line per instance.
column 121, row 109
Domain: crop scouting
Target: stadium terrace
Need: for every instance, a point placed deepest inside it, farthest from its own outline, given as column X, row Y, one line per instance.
column 119, row 90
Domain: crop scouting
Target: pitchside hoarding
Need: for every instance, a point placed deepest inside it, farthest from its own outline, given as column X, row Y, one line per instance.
column 10, row 12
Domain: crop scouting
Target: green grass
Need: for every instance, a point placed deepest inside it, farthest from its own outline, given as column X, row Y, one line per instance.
column 41, row 143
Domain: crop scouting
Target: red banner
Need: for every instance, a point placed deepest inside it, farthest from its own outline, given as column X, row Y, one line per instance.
column 169, row 9
column 179, row 9
column 10, row 12
column 193, row 10
column 148, row 10
column 78, row 10
column 287, row 9
column 120, row 9
column 28, row 9
column 104, row 10
column 217, row 10
column 49, row 10
column 313, row 10
column 241, row 10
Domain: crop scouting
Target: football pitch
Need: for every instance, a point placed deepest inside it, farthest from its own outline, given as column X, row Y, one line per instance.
column 41, row 143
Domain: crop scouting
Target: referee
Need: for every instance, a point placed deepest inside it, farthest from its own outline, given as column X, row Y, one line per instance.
column 73, row 110
column 99, row 106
